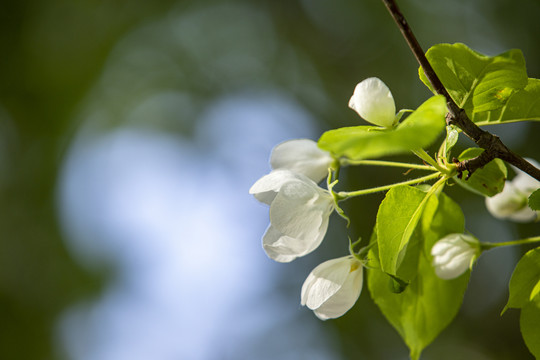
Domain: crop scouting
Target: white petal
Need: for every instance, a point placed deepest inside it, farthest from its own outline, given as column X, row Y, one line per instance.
column 323, row 282
column 525, row 183
column 266, row 188
column 333, row 287
column 300, row 209
column 524, row 215
column 302, row 156
column 455, row 266
column 507, row 202
column 344, row 299
column 283, row 248
column 373, row 101
column 279, row 247
column 452, row 255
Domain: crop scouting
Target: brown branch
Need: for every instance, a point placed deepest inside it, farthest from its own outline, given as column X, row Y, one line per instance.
column 493, row 146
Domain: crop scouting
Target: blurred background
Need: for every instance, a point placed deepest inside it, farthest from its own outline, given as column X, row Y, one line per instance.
column 130, row 133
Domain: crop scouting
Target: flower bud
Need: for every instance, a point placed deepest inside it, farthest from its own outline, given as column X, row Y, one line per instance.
column 302, row 156
column 454, row 254
column 373, row 101
column 512, row 202
column 333, row 287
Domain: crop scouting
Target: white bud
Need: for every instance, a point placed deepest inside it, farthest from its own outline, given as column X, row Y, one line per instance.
column 333, row 287
column 373, row 101
column 512, row 202
column 454, row 254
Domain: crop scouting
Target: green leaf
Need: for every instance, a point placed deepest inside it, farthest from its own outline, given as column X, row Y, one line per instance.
column 522, row 106
column 488, row 180
column 524, row 280
column 477, row 82
column 428, row 304
column 534, row 200
column 529, row 322
column 419, row 130
column 397, row 218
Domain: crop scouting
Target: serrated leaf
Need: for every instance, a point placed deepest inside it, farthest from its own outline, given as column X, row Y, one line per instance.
column 534, row 200
column 419, row 130
column 529, row 322
column 428, row 304
column 488, row 180
column 524, row 279
column 477, row 82
column 524, row 105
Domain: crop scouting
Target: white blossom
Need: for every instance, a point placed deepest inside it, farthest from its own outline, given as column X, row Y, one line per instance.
column 373, row 101
column 333, row 287
column 302, row 156
column 512, row 202
column 299, row 213
column 454, row 254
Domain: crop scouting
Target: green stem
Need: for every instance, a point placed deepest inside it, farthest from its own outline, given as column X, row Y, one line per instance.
column 487, row 246
column 387, row 163
column 343, row 195
column 422, row 154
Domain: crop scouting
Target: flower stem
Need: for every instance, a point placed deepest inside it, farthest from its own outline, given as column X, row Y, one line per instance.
column 343, row 195
column 487, row 245
column 422, row 154
column 387, row 163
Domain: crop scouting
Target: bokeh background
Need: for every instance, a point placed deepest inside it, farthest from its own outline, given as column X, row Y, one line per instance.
column 130, row 132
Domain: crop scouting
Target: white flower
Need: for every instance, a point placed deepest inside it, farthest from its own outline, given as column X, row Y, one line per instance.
column 333, row 287
column 302, row 156
column 454, row 254
column 512, row 202
column 373, row 101
column 299, row 214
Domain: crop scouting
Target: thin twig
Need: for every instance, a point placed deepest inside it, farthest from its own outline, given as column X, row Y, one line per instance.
column 493, row 146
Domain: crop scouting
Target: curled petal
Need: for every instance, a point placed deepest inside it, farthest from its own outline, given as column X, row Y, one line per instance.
column 373, row 101
column 333, row 287
column 283, row 248
column 266, row 188
column 302, row 156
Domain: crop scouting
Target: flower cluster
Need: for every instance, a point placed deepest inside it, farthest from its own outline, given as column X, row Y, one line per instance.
column 299, row 214
column 300, row 209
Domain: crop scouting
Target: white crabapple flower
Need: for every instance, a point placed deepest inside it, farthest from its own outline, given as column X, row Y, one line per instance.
column 454, row 254
column 333, row 287
column 512, row 202
column 373, row 101
column 302, row 156
column 299, row 213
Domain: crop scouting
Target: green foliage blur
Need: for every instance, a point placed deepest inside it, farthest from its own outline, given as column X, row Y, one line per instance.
column 52, row 53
